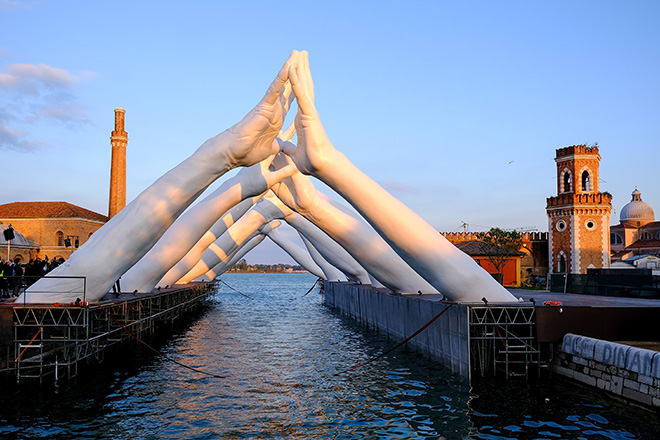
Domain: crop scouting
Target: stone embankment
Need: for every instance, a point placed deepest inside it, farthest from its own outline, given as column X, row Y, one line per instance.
column 630, row 372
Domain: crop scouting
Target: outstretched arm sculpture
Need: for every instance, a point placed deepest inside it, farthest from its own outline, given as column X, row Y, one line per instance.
column 352, row 233
column 191, row 226
column 448, row 269
column 252, row 241
column 300, row 255
column 264, row 211
column 330, row 271
column 120, row 243
column 195, row 254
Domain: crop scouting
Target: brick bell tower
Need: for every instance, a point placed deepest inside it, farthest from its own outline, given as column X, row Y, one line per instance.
column 119, row 141
column 579, row 215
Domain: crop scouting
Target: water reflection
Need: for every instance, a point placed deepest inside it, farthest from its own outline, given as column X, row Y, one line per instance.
column 280, row 353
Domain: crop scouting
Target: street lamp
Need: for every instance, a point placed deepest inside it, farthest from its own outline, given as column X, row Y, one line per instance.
column 9, row 236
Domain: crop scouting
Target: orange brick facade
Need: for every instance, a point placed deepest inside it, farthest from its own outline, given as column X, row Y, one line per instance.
column 51, row 233
column 49, row 224
column 579, row 216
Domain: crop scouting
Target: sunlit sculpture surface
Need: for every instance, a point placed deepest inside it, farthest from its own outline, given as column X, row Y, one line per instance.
column 300, row 255
column 353, row 234
column 430, row 260
column 267, row 209
column 448, row 269
column 187, row 230
column 195, row 254
column 330, row 271
column 237, row 253
column 121, row 242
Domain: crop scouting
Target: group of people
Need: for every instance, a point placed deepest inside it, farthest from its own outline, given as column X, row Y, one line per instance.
column 14, row 275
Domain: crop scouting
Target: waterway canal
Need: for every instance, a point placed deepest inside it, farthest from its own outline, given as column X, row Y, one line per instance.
column 279, row 352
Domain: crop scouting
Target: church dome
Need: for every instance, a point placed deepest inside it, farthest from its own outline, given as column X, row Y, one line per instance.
column 637, row 211
column 18, row 241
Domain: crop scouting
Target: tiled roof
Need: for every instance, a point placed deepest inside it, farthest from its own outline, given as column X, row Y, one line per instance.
column 478, row 248
column 644, row 244
column 48, row 210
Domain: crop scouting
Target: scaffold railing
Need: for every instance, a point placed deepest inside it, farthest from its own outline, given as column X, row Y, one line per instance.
column 503, row 338
column 55, row 339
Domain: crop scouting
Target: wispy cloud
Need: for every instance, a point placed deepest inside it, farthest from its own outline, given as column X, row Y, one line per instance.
column 17, row 140
column 33, row 78
column 11, row 5
column 38, row 94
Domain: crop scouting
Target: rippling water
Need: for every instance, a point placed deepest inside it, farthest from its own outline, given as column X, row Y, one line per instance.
column 279, row 353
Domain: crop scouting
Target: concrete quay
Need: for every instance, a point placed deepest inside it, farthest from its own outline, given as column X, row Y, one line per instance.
column 523, row 339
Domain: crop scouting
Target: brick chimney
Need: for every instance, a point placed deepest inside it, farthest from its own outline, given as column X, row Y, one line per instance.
column 119, row 141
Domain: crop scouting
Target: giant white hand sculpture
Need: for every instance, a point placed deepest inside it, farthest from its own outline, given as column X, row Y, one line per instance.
column 191, row 226
column 330, row 271
column 195, row 254
column 448, row 269
column 332, row 253
column 352, row 233
column 267, row 209
column 252, row 241
column 300, row 255
column 121, row 242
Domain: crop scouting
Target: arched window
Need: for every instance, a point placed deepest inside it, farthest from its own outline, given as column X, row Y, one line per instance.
column 567, row 182
column 657, row 235
column 60, row 238
column 646, row 235
column 586, row 181
column 562, row 263
column 615, row 238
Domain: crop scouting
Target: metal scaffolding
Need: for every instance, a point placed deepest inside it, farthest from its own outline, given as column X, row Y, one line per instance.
column 503, row 339
column 55, row 340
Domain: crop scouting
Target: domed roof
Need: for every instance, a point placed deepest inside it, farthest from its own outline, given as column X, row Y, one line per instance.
column 19, row 239
column 637, row 210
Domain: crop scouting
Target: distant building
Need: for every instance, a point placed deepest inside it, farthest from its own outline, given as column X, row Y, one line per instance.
column 57, row 228
column 19, row 246
column 579, row 215
column 639, row 262
column 637, row 232
column 510, row 272
column 534, row 258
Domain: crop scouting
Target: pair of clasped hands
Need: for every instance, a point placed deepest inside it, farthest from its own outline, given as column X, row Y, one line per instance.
column 259, row 141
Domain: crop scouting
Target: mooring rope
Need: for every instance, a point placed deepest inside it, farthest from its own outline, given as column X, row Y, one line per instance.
column 398, row 345
column 235, row 290
column 30, row 343
column 311, row 288
column 156, row 351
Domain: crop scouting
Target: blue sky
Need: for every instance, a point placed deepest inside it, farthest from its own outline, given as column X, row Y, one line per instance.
column 457, row 108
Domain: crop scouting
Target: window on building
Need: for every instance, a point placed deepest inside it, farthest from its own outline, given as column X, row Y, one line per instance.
column 60, row 238
column 657, row 235
column 567, row 182
column 646, row 235
column 562, row 263
column 615, row 238
column 586, row 181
